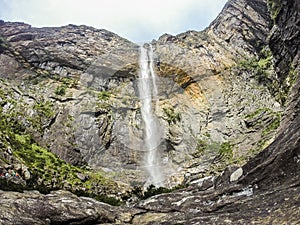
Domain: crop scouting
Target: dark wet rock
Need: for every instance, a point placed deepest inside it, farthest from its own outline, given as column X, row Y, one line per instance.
column 284, row 37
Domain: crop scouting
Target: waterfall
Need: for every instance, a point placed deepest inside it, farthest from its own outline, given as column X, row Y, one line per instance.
column 152, row 132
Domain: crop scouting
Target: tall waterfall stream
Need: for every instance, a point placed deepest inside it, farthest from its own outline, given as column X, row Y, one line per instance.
column 148, row 95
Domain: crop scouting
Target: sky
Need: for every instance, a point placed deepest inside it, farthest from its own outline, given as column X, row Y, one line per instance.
column 136, row 20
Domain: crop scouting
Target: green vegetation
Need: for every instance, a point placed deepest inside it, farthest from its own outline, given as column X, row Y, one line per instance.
column 102, row 198
column 44, row 113
column 61, row 90
column 65, row 82
column 224, row 158
column 201, row 147
column 48, row 172
column 275, row 121
column 273, row 125
column 206, row 134
column 38, row 76
column 152, row 191
column 262, row 70
column 54, row 172
column 103, row 103
column 274, row 117
column 287, row 84
column 44, row 109
column 68, row 82
column 3, row 44
column 223, row 151
column 226, row 150
column 104, row 95
column 274, row 8
column 171, row 116
column 259, row 67
column 257, row 112
column 268, row 129
column 44, row 75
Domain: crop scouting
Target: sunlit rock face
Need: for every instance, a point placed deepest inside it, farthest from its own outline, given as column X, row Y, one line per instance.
column 219, row 102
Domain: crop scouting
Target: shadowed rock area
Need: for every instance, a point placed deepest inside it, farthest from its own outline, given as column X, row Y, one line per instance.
column 71, row 126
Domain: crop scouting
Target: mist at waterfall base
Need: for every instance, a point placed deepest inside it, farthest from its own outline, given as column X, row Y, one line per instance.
column 152, row 131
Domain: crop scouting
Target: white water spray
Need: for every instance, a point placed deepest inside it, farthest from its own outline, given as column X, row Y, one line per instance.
column 152, row 130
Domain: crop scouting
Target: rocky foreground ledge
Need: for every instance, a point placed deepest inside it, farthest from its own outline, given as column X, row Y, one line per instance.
column 61, row 207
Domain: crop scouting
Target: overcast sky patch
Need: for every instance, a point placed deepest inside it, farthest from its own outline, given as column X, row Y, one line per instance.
column 136, row 20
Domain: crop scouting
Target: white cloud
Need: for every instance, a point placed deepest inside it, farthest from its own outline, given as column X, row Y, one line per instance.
column 137, row 20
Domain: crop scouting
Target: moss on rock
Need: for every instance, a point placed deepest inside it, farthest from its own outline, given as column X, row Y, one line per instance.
column 274, row 8
column 47, row 171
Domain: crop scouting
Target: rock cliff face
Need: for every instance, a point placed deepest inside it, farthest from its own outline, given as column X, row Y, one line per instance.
column 53, row 98
column 228, row 102
column 82, row 86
